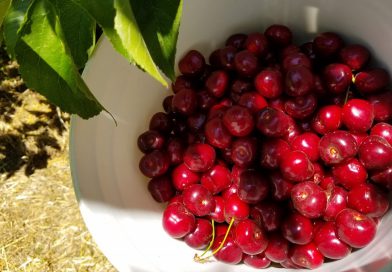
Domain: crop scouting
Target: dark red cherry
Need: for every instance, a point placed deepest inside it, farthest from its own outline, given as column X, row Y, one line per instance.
column 182, row 82
column 205, row 100
column 167, row 103
column 327, row 44
column 297, row 229
column 328, row 244
column 192, row 63
column 371, row 80
column 257, row 43
column 269, row 83
column 280, row 187
column 272, row 151
column 327, row 119
column 309, row 199
column 354, row 55
column 337, row 77
column 199, row 157
column 154, row 164
column 354, row 228
column 279, row 35
column 268, row 215
column 277, row 249
column 253, row 186
column 368, row 199
column 296, row 59
column 243, row 151
column 381, row 103
column 217, row 134
column 236, row 40
column 161, row 188
column 217, row 83
column 338, row 146
column 272, row 122
column 250, row 237
column 238, row 121
column 296, row 166
column 358, row 115
column 246, row 63
column 161, row 122
column 301, row 107
column 201, row 236
column 223, row 58
column 185, row 102
column 382, row 177
column 235, row 208
column 177, row 221
column 218, row 215
column 299, row 81
column 230, row 252
column 150, row 140
column 375, row 153
column 253, row 101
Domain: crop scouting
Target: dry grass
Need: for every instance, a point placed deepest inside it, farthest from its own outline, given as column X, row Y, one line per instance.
column 41, row 228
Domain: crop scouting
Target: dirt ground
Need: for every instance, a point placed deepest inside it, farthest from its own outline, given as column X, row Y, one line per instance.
column 41, row 228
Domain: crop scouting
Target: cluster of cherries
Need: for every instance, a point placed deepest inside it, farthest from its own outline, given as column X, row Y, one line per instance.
column 273, row 152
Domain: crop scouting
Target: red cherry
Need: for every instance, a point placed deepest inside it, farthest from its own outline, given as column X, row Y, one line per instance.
column 253, row 186
column 277, row 249
column 371, row 80
column 230, row 252
column 192, row 63
column 217, row 134
column 383, row 130
column 358, row 115
column 161, row 188
column 349, row 173
column 296, row 166
column 337, row 77
column 299, row 81
column 236, row 208
column 269, row 83
column 382, row 105
column 328, row 244
column 249, row 237
column 327, row 119
column 337, row 201
column 337, row 146
column 216, row 179
column 238, row 121
column 307, row 256
column 218, row 214
column 177, row 221
column 297, row 229
column 354, row 55
column 309, row 199
column 272, row 151
column 268, row 215
column 182, row 177
column 327, row 44
column 217, row 83
column 198, row 200
column 257, row 43
column 253, row 101
column 375, row 153
column 279, row 35
column 201, row 236
column 280, row 187
column 199, row 157
column 308, row 143
column 258, row 261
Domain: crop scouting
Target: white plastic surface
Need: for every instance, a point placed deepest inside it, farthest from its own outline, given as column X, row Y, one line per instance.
column 114, row 201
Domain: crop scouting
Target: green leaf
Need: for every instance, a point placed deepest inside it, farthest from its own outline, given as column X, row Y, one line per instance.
column 46, row 65
column 4, row 5
column 12, row 22
column 159, row 22
column 118, row 22
column 78, row 29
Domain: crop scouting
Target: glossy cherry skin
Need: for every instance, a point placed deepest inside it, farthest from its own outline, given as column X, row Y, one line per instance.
column 223, row 57
column 327, row 44
column 375, row 153
column 201, row 236
column 328, row 244
column 217, row 83
column 161, row 122
column 230, row 253
column 371, row 80
column 299, row 81
column 161, row 188
column 358, row 115
column 238, row 121
column 272, row 151
column 253, row 101
column 154, row 164
column 258, row 261
column 349, row 173
column 301, row 107
column 182, row 177
column 307, row 256
column 308, row 143
column 217, row 179
column 175, row 149
column 327, row 119
column 217, row 134
column 236, row 208
column 337, row 77
column 354, row 55
column 199, row 157
column 382, row 177
column 297, row 229
column 252, row 187
column 256, row 43
column 198, row 200
column 280, row 187
column 150, row 140
column 381, row 105
column 368, row 199
column 236, row 40
column 185, row 101
column 192, row 63
column 337, row 201
column 250, row 237
column 296, row 59
column 309, row 199
column 218, row 214
column 177, row 221
column 383, row 130
column 269, row 83
column 272, row 122
column 267, row 214
column 296, row 166
column 246, row 63
column 277, row 249
column 354, row 228
column 182, row 82
column 243, row 151
column 279, row 35
column 337, row 146
column 205, row 100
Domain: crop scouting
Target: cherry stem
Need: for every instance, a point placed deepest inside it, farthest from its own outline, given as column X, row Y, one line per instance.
column 347, row 93
column 201, row 259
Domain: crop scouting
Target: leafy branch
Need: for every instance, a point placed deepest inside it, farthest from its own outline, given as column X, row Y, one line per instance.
column 53, row 39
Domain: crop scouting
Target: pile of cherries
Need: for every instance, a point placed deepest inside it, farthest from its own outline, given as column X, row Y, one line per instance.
column 273, row 152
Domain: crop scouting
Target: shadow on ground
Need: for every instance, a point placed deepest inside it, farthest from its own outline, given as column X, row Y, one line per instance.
column 31, row 129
